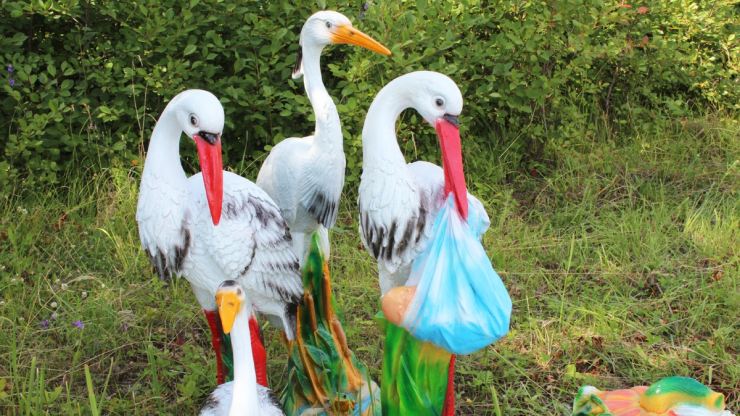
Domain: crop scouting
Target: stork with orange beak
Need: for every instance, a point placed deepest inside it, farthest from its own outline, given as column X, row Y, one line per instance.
column 305, row 176
column 214, row 225
column 398, row 202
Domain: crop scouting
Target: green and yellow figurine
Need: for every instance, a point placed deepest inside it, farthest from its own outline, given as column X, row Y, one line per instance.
column 324, row 376
column 671, row 396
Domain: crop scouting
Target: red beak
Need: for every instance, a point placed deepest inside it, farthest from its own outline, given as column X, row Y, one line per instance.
column 211, row 166
column 448, row 133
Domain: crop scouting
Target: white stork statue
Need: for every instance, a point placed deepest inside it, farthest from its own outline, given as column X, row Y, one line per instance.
column 305, row 176
column 398, row 201
column 242, row 396
column 185, row 232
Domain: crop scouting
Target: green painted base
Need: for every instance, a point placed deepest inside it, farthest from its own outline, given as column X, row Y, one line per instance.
column 227, row 356
column 414, row 374
column 324, row 376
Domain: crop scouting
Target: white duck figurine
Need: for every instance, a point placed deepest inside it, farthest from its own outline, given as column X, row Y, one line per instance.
column 242, row 396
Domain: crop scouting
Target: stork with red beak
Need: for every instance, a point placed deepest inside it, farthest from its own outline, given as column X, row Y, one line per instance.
column 215, row 225
column 398, row 202
column 305, row 175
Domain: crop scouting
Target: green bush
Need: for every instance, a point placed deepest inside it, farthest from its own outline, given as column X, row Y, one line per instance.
column 90, row 78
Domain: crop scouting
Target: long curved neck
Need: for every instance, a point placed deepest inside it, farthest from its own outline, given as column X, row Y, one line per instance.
column 328, row 130
column 163, row 156
column 379, row 142
column 245, row 399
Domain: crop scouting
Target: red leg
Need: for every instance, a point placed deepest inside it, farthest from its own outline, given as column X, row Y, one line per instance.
column 258, row 351
column 214, row 324
column 449, row 407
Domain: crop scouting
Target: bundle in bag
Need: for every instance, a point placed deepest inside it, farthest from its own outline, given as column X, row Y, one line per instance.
column 459, row 302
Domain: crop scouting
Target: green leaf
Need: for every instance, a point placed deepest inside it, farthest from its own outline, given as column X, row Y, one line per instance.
column 189, row 49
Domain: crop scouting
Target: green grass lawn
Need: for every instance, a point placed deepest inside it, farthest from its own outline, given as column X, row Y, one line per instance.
column 621, row 260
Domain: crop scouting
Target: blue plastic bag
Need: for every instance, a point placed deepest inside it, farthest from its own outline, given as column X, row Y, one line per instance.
column 460, row 303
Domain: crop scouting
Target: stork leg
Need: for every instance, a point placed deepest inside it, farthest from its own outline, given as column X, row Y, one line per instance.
column 215, row 325
column 258, row 351
column 449, row 407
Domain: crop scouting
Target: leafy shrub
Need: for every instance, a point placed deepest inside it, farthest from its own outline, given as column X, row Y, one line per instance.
column 88, row 79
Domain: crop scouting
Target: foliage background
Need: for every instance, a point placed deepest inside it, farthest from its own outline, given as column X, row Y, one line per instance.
column 602, row 139
column 89, row 78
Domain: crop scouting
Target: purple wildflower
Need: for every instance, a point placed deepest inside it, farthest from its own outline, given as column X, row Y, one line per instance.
column 10, row 68
column 365, row 6
column 11, row 82
column 44, row 324
column 79, row 324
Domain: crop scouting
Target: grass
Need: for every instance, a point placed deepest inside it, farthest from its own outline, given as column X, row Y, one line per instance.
column 621, row 260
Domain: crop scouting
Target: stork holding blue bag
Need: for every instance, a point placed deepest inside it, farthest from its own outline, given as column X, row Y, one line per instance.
column 441, row 295
column 453, row 297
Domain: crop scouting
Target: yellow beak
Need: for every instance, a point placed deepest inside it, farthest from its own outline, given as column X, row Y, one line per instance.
column 228, row 307
column 349, row 35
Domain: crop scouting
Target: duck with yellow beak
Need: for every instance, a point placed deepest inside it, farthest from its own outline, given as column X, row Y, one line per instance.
column 305, row 176
column 242, row 396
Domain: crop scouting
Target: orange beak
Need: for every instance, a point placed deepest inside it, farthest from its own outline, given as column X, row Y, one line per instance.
column 348, row 35
column 228, row 307
column 211, row 166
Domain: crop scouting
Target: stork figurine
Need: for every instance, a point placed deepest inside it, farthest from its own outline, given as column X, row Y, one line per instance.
column 214, row 225
column 398, row 203
column 305, row 176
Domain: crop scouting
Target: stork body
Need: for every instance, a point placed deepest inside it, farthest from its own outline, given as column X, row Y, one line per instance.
column 305, row 175
column 242, row 396
column 398, row 202
column 183, row 231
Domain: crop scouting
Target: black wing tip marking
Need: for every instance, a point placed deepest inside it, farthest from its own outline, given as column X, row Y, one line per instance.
column 323, row 209
column 211, row 402
column 291, row 314
column 272, row 397
column 166, row 266
column 263, row 211
column 375, row 234
column 298, row 63
column 159, row 263
column 181, row 251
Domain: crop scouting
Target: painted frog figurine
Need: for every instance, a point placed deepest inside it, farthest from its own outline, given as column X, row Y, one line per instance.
column 671, row 396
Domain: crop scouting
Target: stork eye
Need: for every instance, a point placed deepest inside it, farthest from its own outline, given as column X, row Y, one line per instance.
column 439, row 101
column 238, row 292
column 328, row 24
column 194, row 120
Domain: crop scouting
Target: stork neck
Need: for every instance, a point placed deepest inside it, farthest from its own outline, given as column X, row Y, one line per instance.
column 245, row 397
column 163, row 155
column 379, row 142
column 328, row 130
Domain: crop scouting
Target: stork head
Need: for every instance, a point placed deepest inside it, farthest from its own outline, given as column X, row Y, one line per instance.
column 439, row 101
column 229, row 300
column 329, row 27
column 201, row 117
